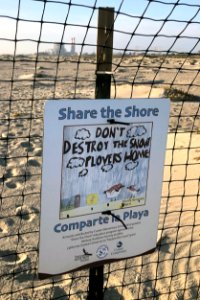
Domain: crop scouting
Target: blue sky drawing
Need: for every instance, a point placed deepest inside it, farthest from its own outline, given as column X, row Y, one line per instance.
column 96, row 180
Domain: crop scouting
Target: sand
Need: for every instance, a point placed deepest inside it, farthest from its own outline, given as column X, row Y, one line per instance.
column 175, row 263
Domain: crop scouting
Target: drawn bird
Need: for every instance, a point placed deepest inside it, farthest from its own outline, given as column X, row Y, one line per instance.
column 114, row 191
column 133, row 190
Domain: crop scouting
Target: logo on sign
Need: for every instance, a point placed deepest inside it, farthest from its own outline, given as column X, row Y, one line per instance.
column 102, row 251
column 119, row 244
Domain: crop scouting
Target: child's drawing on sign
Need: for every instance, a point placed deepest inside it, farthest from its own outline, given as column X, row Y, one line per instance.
column 133, row 190
column 106, row 168
column 82, row 134
column 131, row 165
column 114, row 191
column 135, row 131
column 106, row 165
column 75, row 162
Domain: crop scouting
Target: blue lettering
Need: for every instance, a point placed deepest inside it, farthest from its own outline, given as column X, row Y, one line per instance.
column 135, row 214
column 128, row 112
column 73, row 226
column 62, row 114
column 82, row 225
column 126, row 215
column 71, row 114
column 57, row 228
column 64, row 227
column 133, row 111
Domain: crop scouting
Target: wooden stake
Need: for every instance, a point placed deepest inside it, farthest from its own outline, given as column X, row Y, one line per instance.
column 103, row 86
column 104, row 52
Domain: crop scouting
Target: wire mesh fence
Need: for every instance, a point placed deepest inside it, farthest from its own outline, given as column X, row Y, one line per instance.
column 47, row 51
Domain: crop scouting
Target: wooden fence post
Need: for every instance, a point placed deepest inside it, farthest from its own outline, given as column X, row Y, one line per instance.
column 104, row 52
column 103, row 86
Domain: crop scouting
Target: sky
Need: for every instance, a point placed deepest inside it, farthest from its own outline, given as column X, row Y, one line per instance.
column 62, row 21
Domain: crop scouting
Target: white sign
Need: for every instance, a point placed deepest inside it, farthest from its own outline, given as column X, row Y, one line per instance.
column 101, row 182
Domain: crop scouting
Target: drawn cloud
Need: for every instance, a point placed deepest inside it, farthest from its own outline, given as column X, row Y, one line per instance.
column 83, row 173
column 75, row 162
column 107, row 168
column 136, row 131
column 131, row 165
column 82, row 134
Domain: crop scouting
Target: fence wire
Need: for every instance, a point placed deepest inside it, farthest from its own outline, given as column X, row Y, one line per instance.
column 47, row 51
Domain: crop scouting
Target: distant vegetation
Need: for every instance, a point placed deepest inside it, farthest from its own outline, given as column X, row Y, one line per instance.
column 56, row 53
column 178, row 95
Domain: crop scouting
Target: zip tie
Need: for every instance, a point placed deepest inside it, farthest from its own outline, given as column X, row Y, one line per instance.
column 109, row 213
column 113, row 121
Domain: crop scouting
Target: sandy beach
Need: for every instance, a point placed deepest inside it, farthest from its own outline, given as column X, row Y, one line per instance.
column 174, row 266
